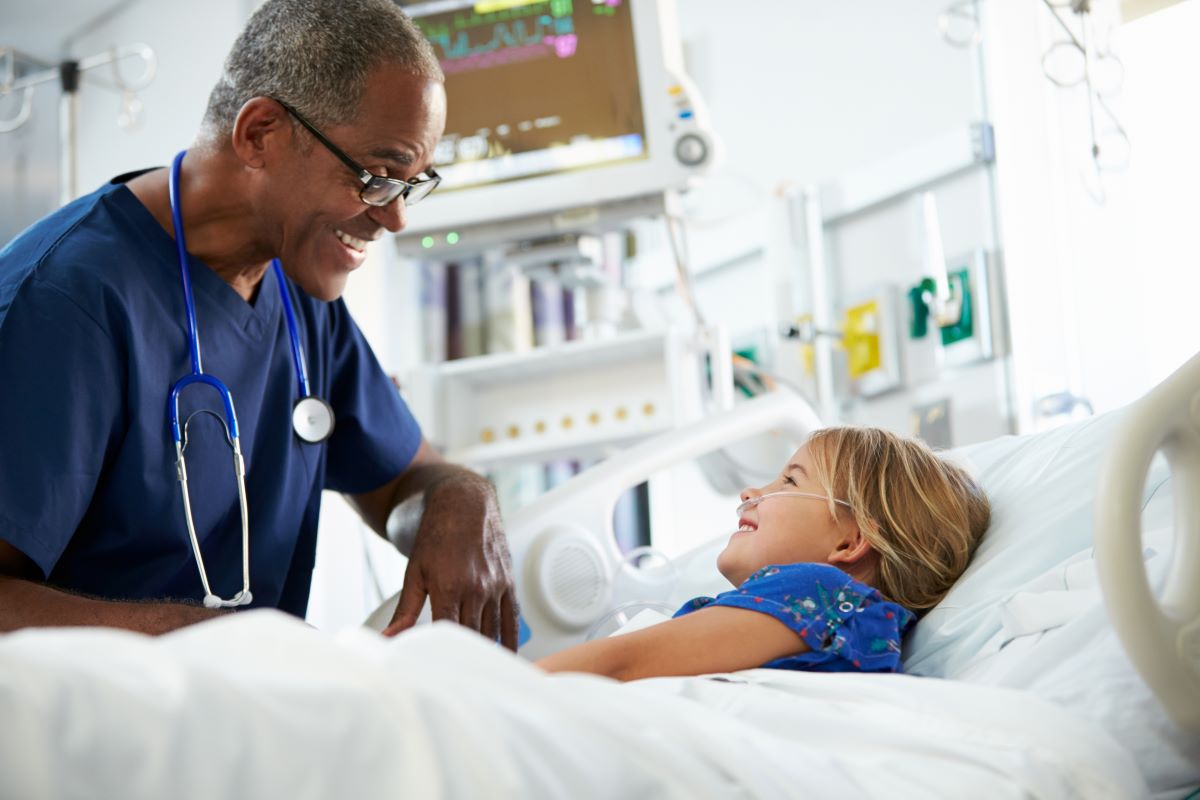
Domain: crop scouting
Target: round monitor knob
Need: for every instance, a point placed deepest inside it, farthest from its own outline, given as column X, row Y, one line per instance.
column 691, row 150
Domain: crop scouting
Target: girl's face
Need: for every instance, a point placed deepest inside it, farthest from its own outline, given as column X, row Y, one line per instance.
column 787, row 530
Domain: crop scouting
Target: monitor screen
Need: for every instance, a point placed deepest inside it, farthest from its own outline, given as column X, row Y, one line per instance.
column 535, row 88
column 563, row 116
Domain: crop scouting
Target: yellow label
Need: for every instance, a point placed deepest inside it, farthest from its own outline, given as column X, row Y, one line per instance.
column 808, row 353
column 862, row 339
column 488, row 6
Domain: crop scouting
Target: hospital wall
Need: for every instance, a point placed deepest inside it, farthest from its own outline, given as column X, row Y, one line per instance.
column 799, row 92
column 28, row 164
column 800, row 95
column 190, row 45
column 1102, row 296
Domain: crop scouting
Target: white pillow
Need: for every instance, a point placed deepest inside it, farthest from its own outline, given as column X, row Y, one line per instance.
column 1043, row 493
column 1028, row 613
column 1057, row 643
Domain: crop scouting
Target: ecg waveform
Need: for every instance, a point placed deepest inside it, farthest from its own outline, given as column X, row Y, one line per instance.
column 544, row 35
column 471, row 40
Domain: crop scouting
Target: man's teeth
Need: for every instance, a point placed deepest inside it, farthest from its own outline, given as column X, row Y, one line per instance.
column 350, row 241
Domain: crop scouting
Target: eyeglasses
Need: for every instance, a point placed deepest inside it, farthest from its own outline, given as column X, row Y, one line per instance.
column 376, row 190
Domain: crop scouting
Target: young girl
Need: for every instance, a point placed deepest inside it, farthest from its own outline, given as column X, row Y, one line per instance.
column 861, row 531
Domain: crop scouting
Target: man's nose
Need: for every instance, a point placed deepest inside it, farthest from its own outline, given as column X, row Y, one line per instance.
column 393, row 216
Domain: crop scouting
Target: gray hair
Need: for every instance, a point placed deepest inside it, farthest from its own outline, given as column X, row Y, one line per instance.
column 315, row 56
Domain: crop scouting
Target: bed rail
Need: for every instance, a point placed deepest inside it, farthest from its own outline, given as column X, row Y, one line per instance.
column 1161, row 635
column 563, row 547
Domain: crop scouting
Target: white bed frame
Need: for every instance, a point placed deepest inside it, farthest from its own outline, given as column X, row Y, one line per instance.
column 565, row 552
column 1160, row 635
column 563, row 546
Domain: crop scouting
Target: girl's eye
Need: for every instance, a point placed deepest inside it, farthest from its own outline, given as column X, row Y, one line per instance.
column 788, row 479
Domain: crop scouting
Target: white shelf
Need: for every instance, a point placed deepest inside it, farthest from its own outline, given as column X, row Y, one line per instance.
column 543, row 361
column 588, row 446
column 578, row 400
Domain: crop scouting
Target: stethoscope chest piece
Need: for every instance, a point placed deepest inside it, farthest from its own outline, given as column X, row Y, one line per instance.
column 312, row 418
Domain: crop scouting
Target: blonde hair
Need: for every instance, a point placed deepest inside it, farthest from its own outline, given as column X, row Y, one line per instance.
column 923, row 515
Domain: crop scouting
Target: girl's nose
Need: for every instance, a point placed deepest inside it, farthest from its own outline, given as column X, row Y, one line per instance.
column 747, row 493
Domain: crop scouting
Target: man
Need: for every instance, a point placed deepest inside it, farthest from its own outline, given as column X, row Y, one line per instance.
column 94, row 333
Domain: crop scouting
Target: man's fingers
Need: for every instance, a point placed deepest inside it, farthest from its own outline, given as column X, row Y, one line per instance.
column 445, row 607
column 489, row 621
column 508, row 621
column 469, row 613
column 408, row 607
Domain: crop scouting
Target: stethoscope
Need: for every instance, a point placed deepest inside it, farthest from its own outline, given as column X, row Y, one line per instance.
column 312, row 417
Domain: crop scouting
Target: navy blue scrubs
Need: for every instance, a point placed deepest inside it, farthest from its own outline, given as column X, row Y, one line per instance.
column 93, row 333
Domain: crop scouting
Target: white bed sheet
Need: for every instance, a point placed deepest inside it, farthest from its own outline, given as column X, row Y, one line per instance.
column 259, row 705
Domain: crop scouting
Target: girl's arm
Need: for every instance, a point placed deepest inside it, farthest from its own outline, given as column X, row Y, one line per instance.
column 718, row 639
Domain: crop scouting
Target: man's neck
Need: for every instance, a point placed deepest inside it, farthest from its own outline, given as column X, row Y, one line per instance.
column 219, row 225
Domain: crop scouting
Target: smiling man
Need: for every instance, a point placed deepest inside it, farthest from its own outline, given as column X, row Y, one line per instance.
column 317, row 138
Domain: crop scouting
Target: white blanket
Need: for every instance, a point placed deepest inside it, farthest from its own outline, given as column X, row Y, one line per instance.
column 258, row 705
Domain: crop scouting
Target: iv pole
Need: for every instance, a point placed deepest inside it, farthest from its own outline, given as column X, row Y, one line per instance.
column 69, row 73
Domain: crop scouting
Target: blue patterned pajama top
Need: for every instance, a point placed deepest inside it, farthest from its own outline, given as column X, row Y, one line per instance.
column 848, row 625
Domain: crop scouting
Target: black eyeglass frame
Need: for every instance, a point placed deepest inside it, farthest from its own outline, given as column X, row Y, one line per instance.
column 393, row 188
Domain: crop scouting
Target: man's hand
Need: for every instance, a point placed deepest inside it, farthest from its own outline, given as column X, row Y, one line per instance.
column 460, row 561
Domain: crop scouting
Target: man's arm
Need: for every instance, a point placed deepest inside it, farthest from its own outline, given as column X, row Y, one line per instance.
column 719, row 639
column 446, row 516
column 26, row 602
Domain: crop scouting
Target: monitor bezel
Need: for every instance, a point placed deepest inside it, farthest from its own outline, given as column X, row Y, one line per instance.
column 661, row 85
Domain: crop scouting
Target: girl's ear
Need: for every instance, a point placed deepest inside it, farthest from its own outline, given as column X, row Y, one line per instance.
column 851, row 548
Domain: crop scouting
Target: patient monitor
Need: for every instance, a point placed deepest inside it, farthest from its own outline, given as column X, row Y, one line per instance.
column 563, row 116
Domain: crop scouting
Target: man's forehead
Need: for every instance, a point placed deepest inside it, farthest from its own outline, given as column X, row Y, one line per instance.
column 403, row 103
column 401, row 118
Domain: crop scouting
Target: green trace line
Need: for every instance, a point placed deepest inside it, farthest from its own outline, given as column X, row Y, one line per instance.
column 465, row 21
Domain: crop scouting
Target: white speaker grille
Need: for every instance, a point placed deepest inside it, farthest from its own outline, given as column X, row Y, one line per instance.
column 572, row 576
column 576, row 580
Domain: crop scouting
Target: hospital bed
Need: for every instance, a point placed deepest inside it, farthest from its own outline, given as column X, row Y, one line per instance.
column 1069, row 647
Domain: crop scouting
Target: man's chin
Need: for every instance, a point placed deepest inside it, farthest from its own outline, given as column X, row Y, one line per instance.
column 327, row 289
column 330, row 291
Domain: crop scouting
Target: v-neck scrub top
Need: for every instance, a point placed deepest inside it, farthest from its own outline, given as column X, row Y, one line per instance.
column 93, row 333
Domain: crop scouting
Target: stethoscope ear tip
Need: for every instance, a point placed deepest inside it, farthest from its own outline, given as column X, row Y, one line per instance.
column 242, row 598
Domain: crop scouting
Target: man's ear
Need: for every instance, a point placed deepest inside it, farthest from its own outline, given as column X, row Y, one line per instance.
column 261, row 126
column 851, row 548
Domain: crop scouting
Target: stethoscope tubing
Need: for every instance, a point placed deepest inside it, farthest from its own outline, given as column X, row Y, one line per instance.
column 198, row 376
column 184, row 273
column 297, row 351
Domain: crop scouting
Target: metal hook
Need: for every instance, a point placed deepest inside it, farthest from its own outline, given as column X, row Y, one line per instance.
column 149, row 66
column 964, row 11
column 1084, row 44
column 52, row 73
column 6, row 88
column 1054, row 75
column 26, row 110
